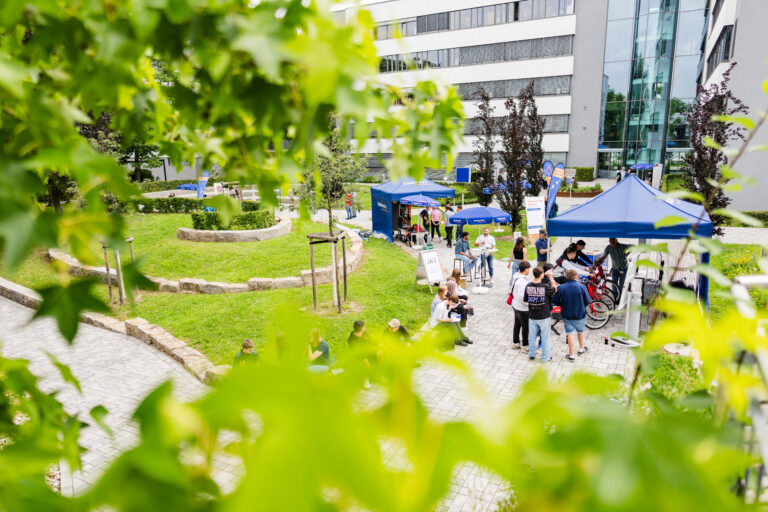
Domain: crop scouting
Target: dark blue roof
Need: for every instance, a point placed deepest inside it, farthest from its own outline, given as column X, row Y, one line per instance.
column 630, row 209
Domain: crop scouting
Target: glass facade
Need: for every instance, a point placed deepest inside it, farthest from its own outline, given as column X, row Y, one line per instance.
column 653, row 58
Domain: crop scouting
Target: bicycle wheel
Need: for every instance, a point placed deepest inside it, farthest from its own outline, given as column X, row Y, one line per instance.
column 597, row 314
column 612, row 288
column 608, row 300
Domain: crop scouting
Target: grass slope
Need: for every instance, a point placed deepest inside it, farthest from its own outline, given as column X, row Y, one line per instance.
column 166, row 256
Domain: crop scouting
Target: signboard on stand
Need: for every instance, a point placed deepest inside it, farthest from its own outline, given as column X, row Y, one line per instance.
column 534, row 215
column 218, row 188
column 432, row 266
column 554, row 186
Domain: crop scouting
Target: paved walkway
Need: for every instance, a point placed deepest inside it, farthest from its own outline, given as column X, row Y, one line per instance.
column 114, row 370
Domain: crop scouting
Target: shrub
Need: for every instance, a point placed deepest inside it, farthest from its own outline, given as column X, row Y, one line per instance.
column 469, row 196
column 157, row 186
column 211, row 221
column 180, row 205
column 761, row 216
column 370, row 179
column 585, row 173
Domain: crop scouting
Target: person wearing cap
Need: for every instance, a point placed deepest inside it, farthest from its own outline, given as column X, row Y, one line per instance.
column 396, row 332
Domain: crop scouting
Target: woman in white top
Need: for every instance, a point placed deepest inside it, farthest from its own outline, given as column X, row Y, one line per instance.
column 447, row 329
column 440, row 297
column 461, row 292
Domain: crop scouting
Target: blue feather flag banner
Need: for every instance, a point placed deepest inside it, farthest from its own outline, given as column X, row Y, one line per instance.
column 554, row 185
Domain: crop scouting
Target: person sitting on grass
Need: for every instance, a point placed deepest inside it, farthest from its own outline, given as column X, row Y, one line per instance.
column 396, row 332
column 247, row 354
column 319, row 353
column 445, row 327
column 358, row 334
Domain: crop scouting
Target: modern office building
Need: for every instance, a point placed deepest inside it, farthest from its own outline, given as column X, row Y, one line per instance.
column 613, row 78
column 501, row 46
column 736, row 33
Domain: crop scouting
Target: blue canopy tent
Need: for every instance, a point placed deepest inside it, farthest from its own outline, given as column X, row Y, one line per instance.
column 419, row 200
column 384, row 196
column 630, row 209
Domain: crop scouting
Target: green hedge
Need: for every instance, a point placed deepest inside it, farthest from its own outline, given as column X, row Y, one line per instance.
column 211, row 221
column 180, row 205
column 469, row 196
column 761, row 216
column 157, row 186
column 585, row 173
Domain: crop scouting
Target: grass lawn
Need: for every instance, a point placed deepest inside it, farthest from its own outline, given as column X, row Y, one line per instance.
column 166, row 256
column 381, row 289
column 735, row 260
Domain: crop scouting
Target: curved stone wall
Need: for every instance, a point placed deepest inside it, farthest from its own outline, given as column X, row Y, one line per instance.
column 190, row 285
column 283, row 227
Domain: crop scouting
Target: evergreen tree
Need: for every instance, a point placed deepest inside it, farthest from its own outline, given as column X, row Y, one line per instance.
column 486, row 128
column 705, row 162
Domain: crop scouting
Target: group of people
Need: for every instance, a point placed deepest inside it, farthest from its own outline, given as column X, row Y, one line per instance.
column 486, row 245
column 551, row 285
column 431, row 219
column 450, row 311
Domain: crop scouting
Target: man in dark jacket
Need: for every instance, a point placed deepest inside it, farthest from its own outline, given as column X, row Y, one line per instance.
column 573, row 299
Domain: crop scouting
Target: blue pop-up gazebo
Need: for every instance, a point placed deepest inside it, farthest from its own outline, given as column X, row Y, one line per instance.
column 385, row 195
column 631, row 209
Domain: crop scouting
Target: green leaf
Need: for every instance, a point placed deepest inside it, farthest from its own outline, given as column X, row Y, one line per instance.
column 669, row 220
column 99, row 414
column 712, row 273
column 711, row 143
column 134, row 279
column 12, row 76
column 741, row 217
column 681, row 194
column 742, row 120
column 66, row 303
column 65, row 372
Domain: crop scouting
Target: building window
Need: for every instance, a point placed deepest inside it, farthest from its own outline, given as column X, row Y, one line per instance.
column 542, row 86
column 495, row 14
column 716, row 11
column 721, row 52
column 496, row 52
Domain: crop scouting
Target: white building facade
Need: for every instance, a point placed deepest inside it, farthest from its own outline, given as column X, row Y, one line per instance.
column 471, row 43
column 737, row 32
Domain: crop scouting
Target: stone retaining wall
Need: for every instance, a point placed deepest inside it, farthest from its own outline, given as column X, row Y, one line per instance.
column 283, row 227
column 323, row 275
column 139, row 328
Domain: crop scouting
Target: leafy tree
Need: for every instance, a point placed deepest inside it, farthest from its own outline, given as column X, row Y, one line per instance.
column 324, row 184
column 515, row 151
column 142, row 157
column 535, row 126
column 484, row 146
column 710, row 132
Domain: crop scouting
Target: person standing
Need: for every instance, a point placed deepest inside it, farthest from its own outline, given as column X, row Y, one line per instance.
column 618, row 253
column 348, row 206
column 486, row 243
column 573, row 299
column 448, row 227
column 539, row 295
column 437, row 219
column 459, row 228
column 463, row 253
column 354, row 204
column 425, row 215
column 542, row 248
column 519, row 283
column 517, row 256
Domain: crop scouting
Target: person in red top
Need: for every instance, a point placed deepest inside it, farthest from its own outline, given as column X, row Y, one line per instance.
column 349, row 206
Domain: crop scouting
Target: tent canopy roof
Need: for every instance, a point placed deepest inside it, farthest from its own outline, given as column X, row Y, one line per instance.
column 408, row 186
column 630, row 209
